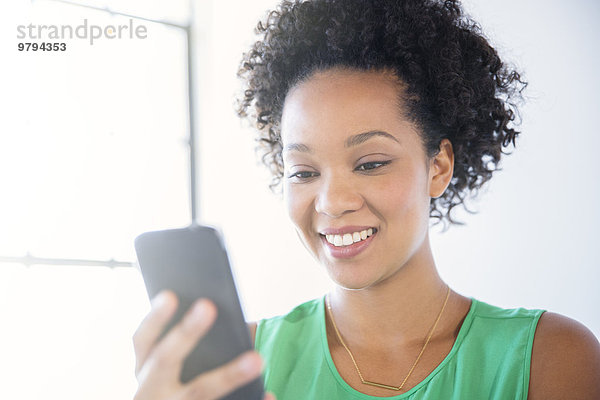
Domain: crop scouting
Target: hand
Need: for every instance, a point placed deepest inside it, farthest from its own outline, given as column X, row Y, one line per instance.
column 159, row 362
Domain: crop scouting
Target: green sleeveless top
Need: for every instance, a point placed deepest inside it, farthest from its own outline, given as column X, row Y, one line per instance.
column 489, row 360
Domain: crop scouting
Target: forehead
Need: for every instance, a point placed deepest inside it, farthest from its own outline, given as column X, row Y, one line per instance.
column 334, row 104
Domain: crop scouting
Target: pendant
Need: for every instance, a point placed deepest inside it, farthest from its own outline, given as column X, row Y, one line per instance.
column 381, row 385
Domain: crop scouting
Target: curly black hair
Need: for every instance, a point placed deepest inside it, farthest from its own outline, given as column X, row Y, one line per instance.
column 457, row 87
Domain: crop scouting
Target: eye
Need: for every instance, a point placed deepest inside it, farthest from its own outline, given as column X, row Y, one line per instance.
column 371, row 165
column 303, row 175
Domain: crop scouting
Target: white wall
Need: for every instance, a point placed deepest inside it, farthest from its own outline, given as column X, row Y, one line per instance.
column 533, row 242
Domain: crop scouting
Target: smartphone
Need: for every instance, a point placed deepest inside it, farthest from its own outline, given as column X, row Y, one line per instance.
column 193, row 263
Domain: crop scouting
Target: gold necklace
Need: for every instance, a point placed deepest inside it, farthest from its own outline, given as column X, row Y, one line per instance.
column 381, row 385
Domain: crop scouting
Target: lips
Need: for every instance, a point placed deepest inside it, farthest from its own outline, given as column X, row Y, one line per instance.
column 341, row 250
column 345, row 229
column 349, row 238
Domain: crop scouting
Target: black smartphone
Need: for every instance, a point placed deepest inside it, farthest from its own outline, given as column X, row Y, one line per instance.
column 193, row 263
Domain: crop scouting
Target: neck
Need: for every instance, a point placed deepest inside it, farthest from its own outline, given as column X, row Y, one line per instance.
column 399, row 309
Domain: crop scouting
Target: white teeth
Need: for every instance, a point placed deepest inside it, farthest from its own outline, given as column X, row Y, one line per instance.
column 337, row 240
column 349, row 238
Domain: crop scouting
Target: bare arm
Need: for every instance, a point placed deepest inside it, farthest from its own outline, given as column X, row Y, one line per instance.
column 252, row 329
column 565, row 361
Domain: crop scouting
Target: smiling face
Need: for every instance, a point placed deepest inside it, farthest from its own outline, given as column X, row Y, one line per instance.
column 353, row 165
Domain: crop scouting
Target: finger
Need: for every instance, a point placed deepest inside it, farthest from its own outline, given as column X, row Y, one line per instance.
column 171, row 351
column 164, row 306
column 269, row 396
column 223, row 380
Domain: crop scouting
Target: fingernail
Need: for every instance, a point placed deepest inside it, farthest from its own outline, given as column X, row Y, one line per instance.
column 197, row 313
column 159, row 300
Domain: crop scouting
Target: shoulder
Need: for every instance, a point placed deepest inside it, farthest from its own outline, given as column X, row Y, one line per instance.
column 296, row 315
column 301, row 319
column 565, row 361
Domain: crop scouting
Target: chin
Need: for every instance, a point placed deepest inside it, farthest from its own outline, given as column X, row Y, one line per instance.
column 350, row 280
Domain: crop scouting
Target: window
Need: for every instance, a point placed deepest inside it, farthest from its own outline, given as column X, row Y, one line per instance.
column 94, row 150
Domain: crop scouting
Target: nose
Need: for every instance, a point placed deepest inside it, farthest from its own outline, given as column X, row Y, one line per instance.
column 337, row 197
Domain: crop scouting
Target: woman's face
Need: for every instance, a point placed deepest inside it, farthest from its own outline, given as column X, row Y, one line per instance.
column 357, row 182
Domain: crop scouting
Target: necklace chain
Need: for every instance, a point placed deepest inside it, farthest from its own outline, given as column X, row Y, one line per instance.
column 381, row 385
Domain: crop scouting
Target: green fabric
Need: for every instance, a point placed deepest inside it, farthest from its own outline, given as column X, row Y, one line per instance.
column 489, row 360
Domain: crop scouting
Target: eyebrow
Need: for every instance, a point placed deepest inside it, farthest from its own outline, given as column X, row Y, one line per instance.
column 354, row 140
column 363, row 137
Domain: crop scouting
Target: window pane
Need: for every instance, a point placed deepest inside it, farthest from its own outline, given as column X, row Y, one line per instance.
column 97, row 148
column 67, row 332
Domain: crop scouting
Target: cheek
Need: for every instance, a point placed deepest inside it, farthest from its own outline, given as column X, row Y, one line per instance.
column 299, row 208
column 402, row 196
column 297, row 205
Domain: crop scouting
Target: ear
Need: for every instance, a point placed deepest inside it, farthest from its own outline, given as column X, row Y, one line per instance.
column 441, row 168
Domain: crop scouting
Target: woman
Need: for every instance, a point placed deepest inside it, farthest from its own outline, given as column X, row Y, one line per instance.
column 374, row 117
